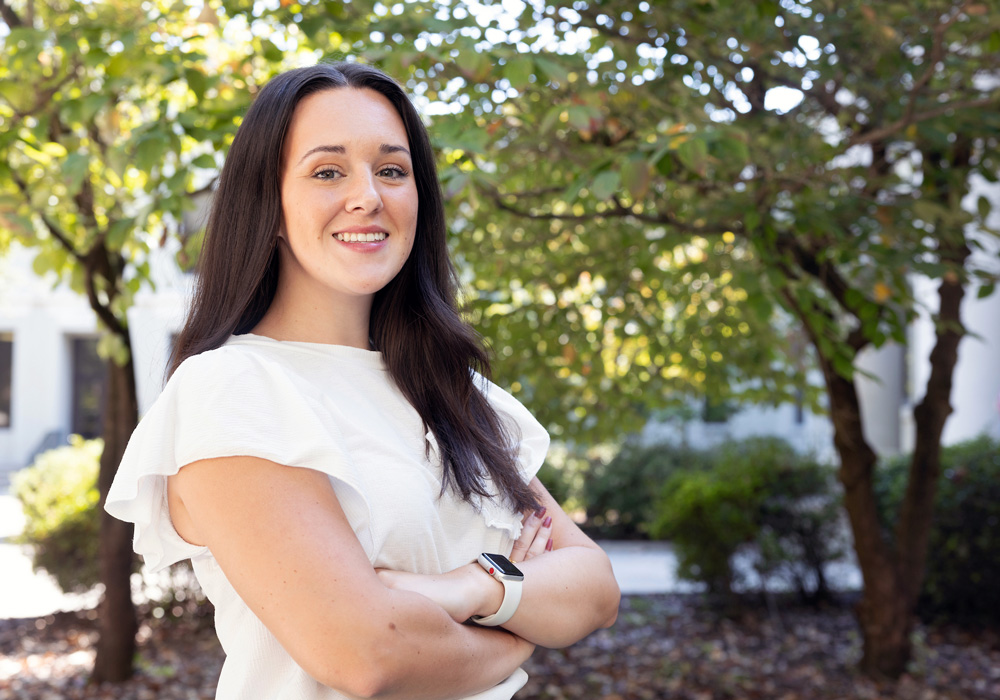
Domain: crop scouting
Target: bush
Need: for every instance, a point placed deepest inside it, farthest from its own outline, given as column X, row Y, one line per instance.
column 756, row 497
column 962, row 582
column 59, row 496
column 620, row 495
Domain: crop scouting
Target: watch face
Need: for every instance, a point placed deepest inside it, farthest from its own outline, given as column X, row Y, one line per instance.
column 503, row 565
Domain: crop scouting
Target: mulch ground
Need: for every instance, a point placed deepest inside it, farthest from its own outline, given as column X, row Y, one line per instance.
column 662, row 647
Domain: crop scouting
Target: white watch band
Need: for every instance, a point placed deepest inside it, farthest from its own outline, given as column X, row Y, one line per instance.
column 511, row 599
column 511, row 581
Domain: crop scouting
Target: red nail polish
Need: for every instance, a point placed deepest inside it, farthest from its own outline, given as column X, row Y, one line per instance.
column 548, row 545
column 540, row 512
column 547, row 521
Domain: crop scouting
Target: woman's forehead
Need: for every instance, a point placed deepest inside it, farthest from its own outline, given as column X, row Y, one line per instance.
column 340, row 119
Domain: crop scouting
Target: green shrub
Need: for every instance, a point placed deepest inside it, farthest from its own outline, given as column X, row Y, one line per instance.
column 58, row 493
column 620, row 495
column 962, row 581
column 563, row 473
column 756, row 496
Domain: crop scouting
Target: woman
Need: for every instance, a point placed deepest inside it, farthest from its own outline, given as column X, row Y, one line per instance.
column 343, row 482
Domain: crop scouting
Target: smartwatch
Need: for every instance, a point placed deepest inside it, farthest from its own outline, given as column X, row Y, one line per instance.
column 500, row 567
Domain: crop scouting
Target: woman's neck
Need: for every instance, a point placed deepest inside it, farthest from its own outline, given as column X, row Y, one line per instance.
column 331, row 322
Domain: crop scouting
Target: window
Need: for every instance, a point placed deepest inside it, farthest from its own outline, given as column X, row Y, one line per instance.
column 89, row 380
column 6, row 375
column 716, row 411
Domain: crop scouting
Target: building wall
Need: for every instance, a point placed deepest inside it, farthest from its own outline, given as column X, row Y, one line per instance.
column 43, row 319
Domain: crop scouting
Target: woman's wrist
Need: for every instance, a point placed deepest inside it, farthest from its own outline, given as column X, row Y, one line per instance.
column 487, row 592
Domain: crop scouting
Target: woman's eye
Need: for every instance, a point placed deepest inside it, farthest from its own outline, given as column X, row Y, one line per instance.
column 326, row 174
column 392, row 172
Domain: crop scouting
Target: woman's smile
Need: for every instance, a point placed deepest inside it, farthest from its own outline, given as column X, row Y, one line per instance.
column 362, row 234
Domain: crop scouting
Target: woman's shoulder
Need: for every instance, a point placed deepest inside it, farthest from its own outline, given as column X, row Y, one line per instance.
column 240, row 360
column 232, row 356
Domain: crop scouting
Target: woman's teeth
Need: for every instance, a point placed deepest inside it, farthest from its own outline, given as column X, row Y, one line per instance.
column 359, row 237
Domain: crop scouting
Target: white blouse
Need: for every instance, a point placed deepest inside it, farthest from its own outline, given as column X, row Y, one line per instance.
column 326, row 407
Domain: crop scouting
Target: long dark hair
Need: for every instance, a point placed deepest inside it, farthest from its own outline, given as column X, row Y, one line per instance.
column 427, row 348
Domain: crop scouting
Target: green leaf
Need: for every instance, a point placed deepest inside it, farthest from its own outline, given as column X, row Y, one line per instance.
column 118, row 66
column 75, row 168
column 149, row 153
column 553, row 70
column 637, row 175
column 272, row 53
column 119, row 232
column 49, row 260
column 605, row 184
column 205, row 160
column 843, row 366
column 993, row 43
column 985, row 290
column 693, row 153
column 551, row 119
column 984, row 206
column 519, row 71
column 110, row 346
column 454, row 185
column 579, row 117
column 92, row 104
column 196, row 81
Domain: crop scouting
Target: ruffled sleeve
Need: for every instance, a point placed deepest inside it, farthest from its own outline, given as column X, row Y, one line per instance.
column 531, row 438
column 532, row 443
column 220, row 403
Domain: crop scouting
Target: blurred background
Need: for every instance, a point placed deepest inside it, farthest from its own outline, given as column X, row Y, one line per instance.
column 738, row 257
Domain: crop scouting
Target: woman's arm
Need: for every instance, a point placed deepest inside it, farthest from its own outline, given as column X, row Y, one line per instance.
column 568, row 592
column 286, row 546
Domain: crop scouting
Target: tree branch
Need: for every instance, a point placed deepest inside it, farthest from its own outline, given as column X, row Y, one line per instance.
column 902, row 123
column 9, row 16
column 94, row 263
column 617, row 211
column 53, row 228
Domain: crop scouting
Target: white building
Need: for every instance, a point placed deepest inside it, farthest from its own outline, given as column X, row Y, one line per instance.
column 51, row 378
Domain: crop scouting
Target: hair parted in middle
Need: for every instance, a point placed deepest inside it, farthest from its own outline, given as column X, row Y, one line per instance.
column 428, row 349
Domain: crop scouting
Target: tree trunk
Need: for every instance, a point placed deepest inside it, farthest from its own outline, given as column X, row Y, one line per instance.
column 884, row 614
column 117, row 616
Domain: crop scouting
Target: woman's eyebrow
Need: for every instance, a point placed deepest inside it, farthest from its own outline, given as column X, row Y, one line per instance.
column 384, row 149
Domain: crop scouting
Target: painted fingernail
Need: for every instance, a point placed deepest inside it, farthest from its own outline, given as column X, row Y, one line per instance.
column 540, row 512
column 548, row 545
column 547, row 521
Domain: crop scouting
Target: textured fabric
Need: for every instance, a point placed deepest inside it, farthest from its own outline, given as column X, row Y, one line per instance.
column 334, row 409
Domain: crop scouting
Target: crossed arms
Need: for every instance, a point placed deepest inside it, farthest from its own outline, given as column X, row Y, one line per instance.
column 383, row 634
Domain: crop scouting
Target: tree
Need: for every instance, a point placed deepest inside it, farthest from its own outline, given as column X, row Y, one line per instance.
column 637, row 205
column 636, row 218
column 111, row 115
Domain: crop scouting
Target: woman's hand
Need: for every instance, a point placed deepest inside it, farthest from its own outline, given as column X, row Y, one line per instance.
column 468, row 590
column 536, row 536
column 462, row 592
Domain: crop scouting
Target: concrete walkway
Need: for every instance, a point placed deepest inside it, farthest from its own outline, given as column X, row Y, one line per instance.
column 640, row 567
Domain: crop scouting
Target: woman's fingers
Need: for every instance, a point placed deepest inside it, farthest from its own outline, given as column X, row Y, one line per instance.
column 529, row 529
column 542, row 541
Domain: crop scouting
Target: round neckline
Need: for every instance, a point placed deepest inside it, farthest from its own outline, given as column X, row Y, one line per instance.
column 370, row 357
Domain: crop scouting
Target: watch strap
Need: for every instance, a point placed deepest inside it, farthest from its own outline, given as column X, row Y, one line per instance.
column 511, row 599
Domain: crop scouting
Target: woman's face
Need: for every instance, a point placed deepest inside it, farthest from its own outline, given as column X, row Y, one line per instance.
column 348, row 196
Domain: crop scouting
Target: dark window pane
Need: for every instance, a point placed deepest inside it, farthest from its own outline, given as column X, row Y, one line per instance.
column 6, row 370
column 89, row 380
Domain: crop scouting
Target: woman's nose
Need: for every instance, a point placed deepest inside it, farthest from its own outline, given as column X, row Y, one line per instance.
column 363, row 194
